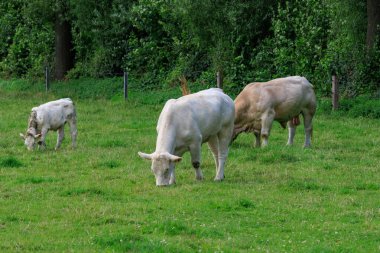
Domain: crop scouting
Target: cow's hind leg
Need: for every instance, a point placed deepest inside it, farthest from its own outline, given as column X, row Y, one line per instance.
column 73, row 129
column 292, row 132
column 41, row 142
column 308, row 123
column 223, row 140
column 213, row 144
column 195, row 152
column 60, row 137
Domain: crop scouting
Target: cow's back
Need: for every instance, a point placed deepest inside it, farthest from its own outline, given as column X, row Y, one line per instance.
column 55, row 113
column 204, row 113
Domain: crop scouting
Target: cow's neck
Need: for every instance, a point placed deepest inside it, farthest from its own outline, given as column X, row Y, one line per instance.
column 166, row 140
column 32, row 120
column 31, row 130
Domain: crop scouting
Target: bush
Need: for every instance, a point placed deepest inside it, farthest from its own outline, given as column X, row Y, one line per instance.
column 362, row 106
column 365, row 107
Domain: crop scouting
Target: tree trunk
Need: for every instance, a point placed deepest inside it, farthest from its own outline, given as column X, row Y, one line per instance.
column 373, row 17
column 64, row 55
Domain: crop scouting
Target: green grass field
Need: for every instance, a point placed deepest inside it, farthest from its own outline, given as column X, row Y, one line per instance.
column 102, row 197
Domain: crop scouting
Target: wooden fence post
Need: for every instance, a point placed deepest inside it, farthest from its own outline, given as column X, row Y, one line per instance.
column 125, row 85
column 219, row 80
column 47, row 81
column 335, row 93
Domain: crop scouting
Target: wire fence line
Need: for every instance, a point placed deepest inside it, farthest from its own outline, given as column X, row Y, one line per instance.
column 117, row 74
column 124, row 75
column 219, row 84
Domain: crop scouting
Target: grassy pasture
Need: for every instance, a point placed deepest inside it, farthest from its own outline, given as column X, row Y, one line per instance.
column 102, row 196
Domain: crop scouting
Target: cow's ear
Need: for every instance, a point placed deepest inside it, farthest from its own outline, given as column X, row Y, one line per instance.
column 145, row 156
column 22, row 136
column 174, row 158
column 38, row 136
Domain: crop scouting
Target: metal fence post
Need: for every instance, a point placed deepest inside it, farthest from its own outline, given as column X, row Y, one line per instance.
column 335, row 93
column 47, row 81
column 125, row 85
column 219, row 80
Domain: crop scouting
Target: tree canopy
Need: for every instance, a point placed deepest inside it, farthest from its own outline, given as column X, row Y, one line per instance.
column 158, row 41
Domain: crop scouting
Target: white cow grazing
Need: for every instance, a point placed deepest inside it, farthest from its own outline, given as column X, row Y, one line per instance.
column 283, row 100
column 187, row 122
column 51, row 116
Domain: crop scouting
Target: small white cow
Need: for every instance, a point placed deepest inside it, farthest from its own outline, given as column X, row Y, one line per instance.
column 282, row 100
column 50, row 116
column 187, row 122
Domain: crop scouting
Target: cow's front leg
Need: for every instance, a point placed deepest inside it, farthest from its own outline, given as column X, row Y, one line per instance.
column 73, row 130
column 60, row 137
column 172, row 175
column 195, row 151
column 41, row 142
column 266, row 125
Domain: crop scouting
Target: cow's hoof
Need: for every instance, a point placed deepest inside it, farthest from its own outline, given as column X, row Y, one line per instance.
column 218, row 179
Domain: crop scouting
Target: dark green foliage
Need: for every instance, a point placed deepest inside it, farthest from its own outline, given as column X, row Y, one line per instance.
column 159, row 41
column 346, row 54
column 300, row 40
column 26, row 39
column 361, row 106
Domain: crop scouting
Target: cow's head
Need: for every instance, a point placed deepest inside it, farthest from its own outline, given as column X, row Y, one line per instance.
column 30, row 140
column 161, row 166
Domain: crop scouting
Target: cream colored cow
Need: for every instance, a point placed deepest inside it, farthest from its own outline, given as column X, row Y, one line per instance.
column 187, row 122
column 282, row 100
column 50, row 116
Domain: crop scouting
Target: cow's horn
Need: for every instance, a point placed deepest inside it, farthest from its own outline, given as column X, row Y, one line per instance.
column 145, row 156
column 174, row 158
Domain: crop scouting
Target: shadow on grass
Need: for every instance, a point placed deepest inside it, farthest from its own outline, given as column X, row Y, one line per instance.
column 37, row 180
column 10, row 162
column 306, row 184
column 128, row 242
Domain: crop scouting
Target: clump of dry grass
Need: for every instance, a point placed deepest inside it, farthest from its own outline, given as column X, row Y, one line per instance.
column 184, row 87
